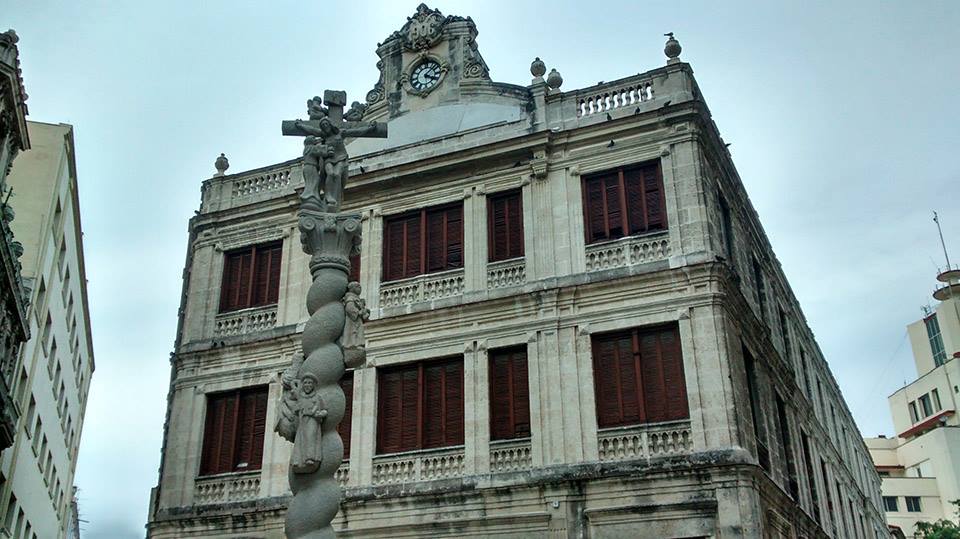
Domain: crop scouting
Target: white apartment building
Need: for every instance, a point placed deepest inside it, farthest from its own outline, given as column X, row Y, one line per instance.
column 578, row 326
column 920, row 466
column 56, row 364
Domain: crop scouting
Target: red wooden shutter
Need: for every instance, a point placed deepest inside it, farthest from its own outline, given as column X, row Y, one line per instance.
column 273, row 278
column 434, row 404
column 651, row 368
column 436, row 241
column 498, row 243
column 230, row 292
column 393, row 250
column 453, row 232
column 346, row 383
column 509, row 394
column 613, row 205
column 674, row 380
column 413, row 248
column 389, row 403
column 515, row 224
column 594, row 209
column 212, row 434
column 411, row 435
column 606, row 383
column 656, row 219
column 627, row 369
column 251, row 424
column 633, row 186
column 453, row 402
column 228, row 434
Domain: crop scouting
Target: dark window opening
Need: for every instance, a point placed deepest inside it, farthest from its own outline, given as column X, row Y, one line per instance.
column 251, row 277
column 505, row 225
column 624, row 201
column 423, row 241
column 509, row 394
column 420, row 406
column 233, row 431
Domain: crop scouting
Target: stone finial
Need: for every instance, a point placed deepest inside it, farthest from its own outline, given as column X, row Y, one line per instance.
column 10, row 37
column 672, row 49
column 537, row 67
column 222, row 164
column 554, row 80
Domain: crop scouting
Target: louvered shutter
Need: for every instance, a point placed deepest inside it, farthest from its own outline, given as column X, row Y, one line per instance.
column 653, row 198
column 651, row 368
column 675, row 383
column 498, row 240
column 613, row 206
column 212, row 434
column 245, row 282
column 501, row 426
column 246, row 403
column 454, row 238
column 230, row 285
column 515, row 224
column 453, row 402
column 605, row 380
column 346, row 383
column 389, row 411
column 261, row 276
column 633, row 186
column 413, row 247
column 393, row 247
column 411, row 409
column 259, row 428
column 593, row 207
column 433, row 405
column 629, row 379
column 228, row 434
column 436, row 241
column 273, row 278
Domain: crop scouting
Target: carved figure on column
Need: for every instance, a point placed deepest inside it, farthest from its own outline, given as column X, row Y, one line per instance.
column 313, row 403
column 353, row 341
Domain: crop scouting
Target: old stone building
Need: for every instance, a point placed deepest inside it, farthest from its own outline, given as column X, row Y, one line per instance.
column 578, row 327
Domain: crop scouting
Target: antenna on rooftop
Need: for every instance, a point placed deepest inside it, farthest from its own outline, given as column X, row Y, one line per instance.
column 936, row 219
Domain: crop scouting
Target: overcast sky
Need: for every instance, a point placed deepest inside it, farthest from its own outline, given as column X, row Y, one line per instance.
column 842, row 117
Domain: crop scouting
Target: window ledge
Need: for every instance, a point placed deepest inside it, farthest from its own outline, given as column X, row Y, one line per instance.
column 644, row 440
column 418, row 465
column 426, row 287
column 512, row 455
column 227, row 487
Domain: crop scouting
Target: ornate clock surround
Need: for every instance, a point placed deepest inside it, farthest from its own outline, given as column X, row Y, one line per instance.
column 422, row 57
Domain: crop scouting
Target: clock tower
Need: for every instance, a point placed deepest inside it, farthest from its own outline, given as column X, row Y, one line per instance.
column 431, row 61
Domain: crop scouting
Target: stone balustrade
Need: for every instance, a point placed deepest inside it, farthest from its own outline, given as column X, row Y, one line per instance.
column 227, row 488
column 628, row 251
column 342, row 475
column 426, row 465
column 605, row 97
column 245, row 321
column 421, row 288
column 510, row 455
column 505, row 273
column 260, row 182
column 645, row 441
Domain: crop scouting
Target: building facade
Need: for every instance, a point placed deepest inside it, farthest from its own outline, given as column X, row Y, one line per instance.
column 920, row 466
column 55, row 366
column 14, row 329
column 578, row 327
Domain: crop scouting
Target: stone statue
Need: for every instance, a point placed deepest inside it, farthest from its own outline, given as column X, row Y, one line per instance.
column 313, row 404
column 353, row 342
column 311, row 411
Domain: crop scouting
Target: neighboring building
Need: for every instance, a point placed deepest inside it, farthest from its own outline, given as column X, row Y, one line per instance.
column 57, row 361
column 920, row 466
column 578, row 326
column 14, row 329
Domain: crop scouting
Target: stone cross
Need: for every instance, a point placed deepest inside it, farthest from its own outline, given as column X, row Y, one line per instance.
column 313, row 404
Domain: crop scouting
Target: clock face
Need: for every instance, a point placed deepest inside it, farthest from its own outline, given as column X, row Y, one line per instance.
column 425, row 76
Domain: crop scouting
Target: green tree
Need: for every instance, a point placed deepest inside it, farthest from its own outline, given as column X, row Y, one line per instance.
column 941, row 529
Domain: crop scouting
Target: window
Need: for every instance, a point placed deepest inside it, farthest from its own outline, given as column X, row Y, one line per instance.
column 509, row 394
column 913, row 412
column 346, row 384
column 420, row 406
column 31, row 413
column 936, row 339
column 423, row 241
column 47, row 331
column 233, row 432
column 937, row 406
column 926, row 406
column 638, row 377
column 52, row 356
column 623, row 201
column 62, row 258
column 727, row 223
column 913, row 504
column 251, row 277
column 804, row 368
column 65, row 291
column 11, row 511
column 505, row 225
column 759, row 430
column 811, row 480
column 761, row 289
column 786, row 449
column 354, row 274
column 784, row 332
column 890, row 504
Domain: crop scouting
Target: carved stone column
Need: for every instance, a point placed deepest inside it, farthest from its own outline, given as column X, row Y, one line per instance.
column 329, row 239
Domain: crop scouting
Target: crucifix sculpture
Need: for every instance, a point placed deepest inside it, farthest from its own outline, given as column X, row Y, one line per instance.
column 313, row 403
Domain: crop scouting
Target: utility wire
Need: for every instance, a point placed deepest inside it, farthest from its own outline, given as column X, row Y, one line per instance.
column 886, row 368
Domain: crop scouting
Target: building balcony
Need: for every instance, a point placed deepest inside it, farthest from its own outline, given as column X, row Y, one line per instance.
column 510, row 455
column 245, row 321
column 414, row 466
column 645, row 441
column 628, row 251
column 504, row 273
column 226, row 488
column 427, row 287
